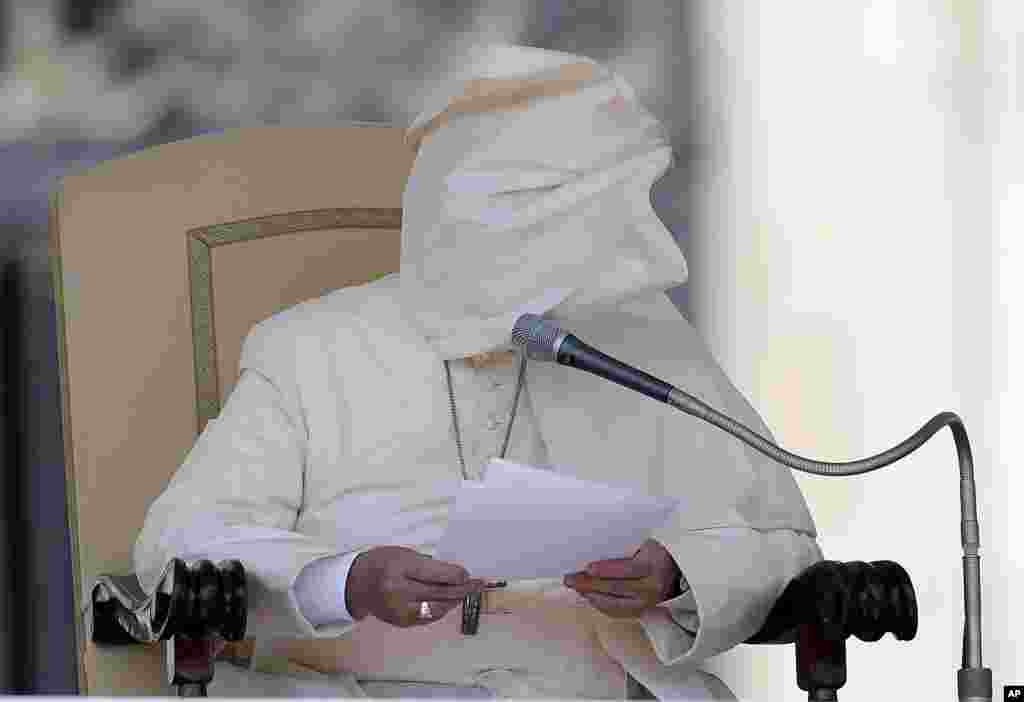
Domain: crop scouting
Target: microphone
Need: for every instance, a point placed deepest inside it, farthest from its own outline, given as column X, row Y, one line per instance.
column 543, row 340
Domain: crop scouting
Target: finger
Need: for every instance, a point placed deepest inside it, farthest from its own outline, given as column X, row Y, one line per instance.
column 428, row 570
column 619, row 568
column 635, row 587
column 438, row 610
column 616, row 607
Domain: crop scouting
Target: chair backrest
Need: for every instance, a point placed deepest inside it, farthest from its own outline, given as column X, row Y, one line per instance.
column 162, row 260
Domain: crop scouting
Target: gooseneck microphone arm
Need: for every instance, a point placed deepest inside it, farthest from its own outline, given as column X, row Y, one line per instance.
column 543, row 340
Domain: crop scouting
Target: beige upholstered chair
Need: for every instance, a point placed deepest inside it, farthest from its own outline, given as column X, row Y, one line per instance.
column 162, row 261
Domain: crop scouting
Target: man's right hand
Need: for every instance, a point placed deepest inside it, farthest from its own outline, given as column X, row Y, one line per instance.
column 390, row 582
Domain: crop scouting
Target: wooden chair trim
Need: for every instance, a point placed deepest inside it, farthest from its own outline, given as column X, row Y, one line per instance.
column 70, row 494
column 202, row 240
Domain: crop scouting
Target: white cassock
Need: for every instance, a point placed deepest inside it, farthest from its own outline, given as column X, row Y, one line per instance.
column 337, row 436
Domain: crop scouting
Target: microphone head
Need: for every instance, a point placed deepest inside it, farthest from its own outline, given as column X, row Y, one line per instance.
column 539, row 337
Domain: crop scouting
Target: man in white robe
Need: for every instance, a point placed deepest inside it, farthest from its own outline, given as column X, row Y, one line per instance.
column 330, row 470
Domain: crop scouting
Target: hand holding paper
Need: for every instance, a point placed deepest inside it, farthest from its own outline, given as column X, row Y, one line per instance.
column 523, row 522
column 628, row 587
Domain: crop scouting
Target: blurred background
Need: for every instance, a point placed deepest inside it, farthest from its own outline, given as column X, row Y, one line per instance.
column 848, row 194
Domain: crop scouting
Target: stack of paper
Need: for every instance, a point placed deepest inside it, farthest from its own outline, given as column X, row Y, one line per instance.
column 525, row 522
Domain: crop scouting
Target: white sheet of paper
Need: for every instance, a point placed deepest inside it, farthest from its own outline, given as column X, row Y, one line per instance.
column 526, row 522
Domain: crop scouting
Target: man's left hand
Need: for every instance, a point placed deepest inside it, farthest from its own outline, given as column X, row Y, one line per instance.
column 624, row 588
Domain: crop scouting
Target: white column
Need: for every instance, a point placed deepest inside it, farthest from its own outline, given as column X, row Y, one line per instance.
column 843, row 273
column 1000, row 448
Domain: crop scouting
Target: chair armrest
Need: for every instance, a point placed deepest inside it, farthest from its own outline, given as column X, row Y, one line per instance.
column 190, row 607
column 198, row 600
column 863, row 599
column 828, row 602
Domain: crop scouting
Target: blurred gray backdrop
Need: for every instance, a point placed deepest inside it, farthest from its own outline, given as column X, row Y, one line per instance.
column 81, row 82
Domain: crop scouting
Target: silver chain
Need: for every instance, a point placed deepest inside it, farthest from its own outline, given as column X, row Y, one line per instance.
column 471, row 603
column 511, row 418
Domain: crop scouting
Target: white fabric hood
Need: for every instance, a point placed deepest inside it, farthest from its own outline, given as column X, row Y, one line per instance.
column 530, row 192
